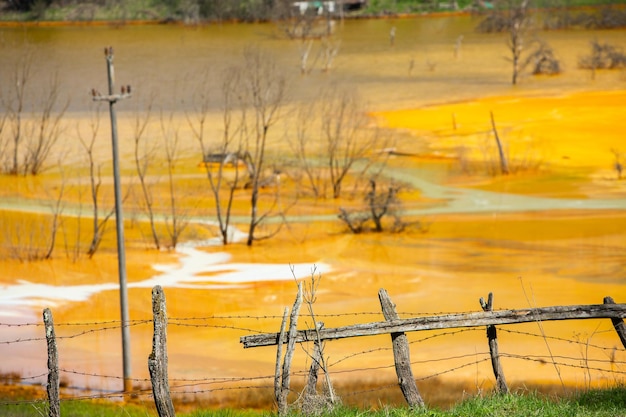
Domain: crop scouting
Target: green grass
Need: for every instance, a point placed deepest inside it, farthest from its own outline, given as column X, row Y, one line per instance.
column 595, row 403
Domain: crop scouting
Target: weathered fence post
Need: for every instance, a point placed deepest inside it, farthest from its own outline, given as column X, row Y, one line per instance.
column 401, row 354
column 493, row 348
column 54, row 408
column 157, row 361
column 279, row 356
column 291, row 344
column 618, row 324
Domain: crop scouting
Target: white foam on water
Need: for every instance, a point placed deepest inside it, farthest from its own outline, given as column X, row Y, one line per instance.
column 196, row 269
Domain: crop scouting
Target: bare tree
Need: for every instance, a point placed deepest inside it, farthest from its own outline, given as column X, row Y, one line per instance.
column 47, row 128
column 14, row 102
column 95, row 182
column 216, row 158
column 263, row 89
column 176, row 220
column 306, row 148
column 347, row 137
column 33, row 128
column 518, row 25
column 144, row 158
column 57, row 211
column 333, row 139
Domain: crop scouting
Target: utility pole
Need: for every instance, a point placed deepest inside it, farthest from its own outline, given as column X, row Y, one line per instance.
column 119, row 218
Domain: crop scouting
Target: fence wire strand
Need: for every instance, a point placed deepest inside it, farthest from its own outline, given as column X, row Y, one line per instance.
column 186, row 386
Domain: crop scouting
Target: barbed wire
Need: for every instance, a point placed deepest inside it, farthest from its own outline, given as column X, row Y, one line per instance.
column 217, row 326
column 212, row 385
column 72, row 336
column 236, row 317
column 561, row 339
column 544, row 360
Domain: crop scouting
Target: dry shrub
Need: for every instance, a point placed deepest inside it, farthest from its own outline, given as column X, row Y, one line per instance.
column 543, row 61
column 603, row 56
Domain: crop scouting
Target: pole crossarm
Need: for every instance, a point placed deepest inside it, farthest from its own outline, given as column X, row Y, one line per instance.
column 113, row 98
column 486, row 318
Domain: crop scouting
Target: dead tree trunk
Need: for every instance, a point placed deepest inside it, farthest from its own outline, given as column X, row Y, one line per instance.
column 401, row 354
column 501, row 385
column 291, row 345
column 618, row 324
column 54, row 408
column 157, row 361
column 504, row 165
column 279, row 356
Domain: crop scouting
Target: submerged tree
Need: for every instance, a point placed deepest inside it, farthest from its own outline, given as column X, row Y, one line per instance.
column 263, row 90
column 252, row 95
column 31, row 126
column 518, row 24
column 221, row 159
column 95, row 182
column 334, row 140
column 379, row 204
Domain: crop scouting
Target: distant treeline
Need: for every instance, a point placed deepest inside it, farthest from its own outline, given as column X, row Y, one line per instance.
column 242, row 10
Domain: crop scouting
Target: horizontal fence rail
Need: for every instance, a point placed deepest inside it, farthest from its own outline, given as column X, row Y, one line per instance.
column 486, row 318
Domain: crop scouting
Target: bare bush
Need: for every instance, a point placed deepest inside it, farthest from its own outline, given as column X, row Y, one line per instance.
column 379, row 204
column 608, row 17
column 603, row 56
column 312, row 402
column 543, row 61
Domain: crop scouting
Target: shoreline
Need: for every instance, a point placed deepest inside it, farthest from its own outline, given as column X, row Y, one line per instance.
column 374, row 16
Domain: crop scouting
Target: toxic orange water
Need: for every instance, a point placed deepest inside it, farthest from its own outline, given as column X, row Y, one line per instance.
column 565, row 126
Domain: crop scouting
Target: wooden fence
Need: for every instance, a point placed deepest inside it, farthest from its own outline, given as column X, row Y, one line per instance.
column 393, row 325
column 397, row 328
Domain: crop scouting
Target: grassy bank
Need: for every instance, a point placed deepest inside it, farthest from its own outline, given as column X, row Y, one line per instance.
column 195, row 11
column 595, row 403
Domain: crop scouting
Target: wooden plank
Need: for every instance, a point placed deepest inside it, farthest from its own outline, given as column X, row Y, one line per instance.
column 574, row 312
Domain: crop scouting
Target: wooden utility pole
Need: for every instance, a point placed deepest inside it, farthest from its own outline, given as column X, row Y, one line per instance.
column 119, row 218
